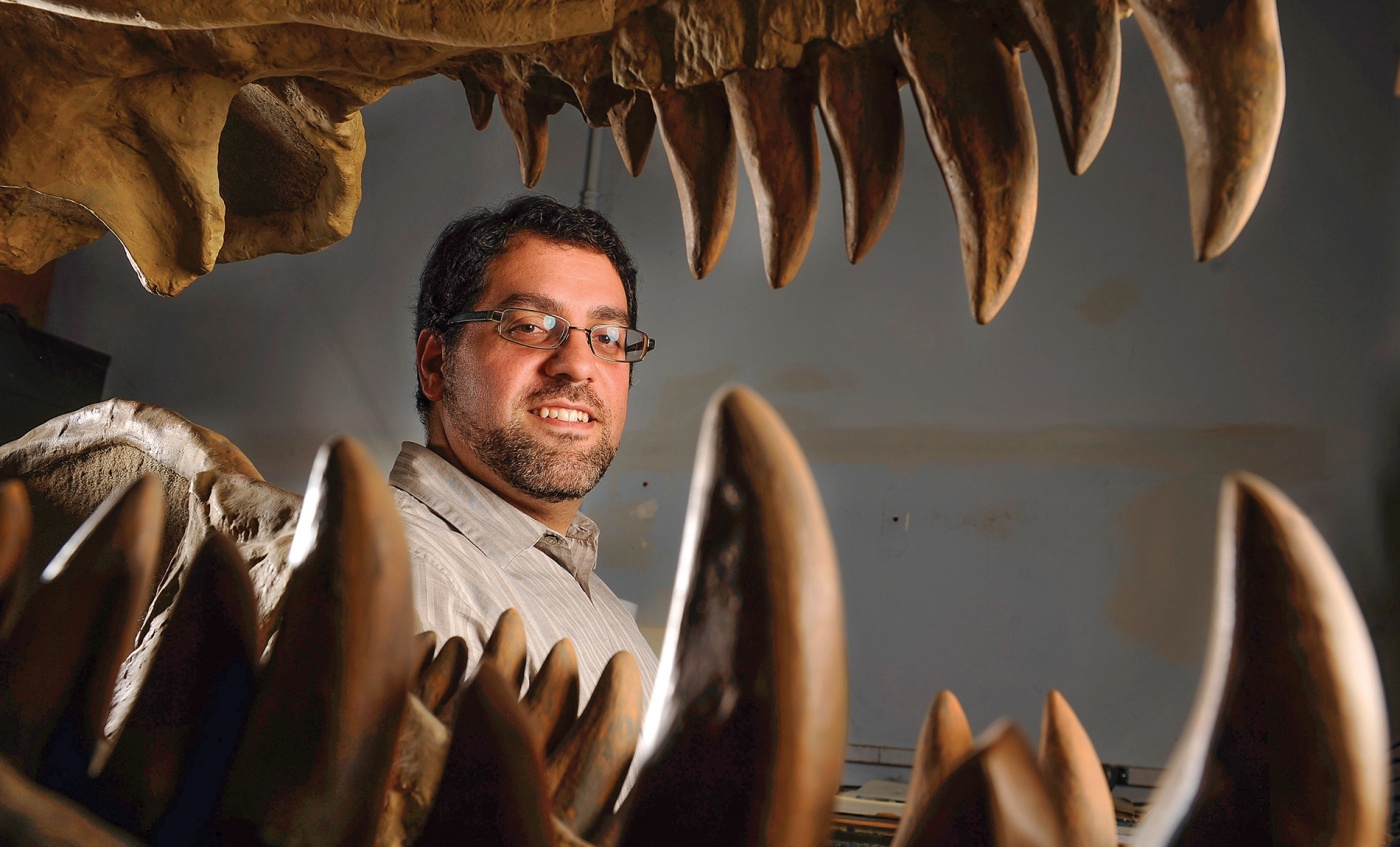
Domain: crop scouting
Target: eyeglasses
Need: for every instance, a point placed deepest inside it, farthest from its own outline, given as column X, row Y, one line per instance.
column 544, row 331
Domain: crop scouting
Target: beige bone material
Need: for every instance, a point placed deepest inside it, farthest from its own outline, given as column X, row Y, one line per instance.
column 698, row 135
column 945, row 742
column 1075, row 778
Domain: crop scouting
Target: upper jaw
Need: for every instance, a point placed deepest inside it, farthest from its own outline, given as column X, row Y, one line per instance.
column 564, row 412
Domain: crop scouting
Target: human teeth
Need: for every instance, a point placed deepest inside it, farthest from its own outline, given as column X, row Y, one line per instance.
column 573, row 415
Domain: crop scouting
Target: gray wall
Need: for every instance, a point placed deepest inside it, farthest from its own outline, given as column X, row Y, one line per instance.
column 1017, row 507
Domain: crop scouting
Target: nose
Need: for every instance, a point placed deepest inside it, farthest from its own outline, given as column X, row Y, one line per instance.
column 573, row 360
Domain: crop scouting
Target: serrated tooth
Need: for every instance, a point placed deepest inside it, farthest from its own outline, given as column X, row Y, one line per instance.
column 772, row 114
column 507, row 647
column 977, row 117
column 858, row 94
column 1289, row 713
column 318, row 745
column 945, row 741
column 1074, row 776
column 699, row 139
column 443, row 677
column 193, row 700
column 586, row 773
column 633, row 123
column 1222, row 64
column 1080, row 51
column 552, row 701
column 56, row 681
column 755, row 640
column 493, row 786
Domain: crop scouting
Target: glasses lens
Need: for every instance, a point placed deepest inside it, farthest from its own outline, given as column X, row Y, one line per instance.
column 531, row 328
column 618, row 343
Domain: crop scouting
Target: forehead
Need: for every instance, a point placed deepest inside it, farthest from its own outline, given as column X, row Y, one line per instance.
column 537, row 273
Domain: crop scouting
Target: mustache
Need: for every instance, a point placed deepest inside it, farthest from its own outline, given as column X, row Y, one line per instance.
column 569, row 393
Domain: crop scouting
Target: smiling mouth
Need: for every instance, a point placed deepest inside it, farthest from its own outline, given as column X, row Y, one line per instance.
column 561, row 414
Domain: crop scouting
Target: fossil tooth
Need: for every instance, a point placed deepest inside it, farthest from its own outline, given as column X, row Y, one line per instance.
column 56, row 682
column 479, row 98
column 424, row 643
column 493, row 784
column 320, row 736
column 754, row 642
column 1287, row 739
column 633, row 124
column 699, row 139
column 997, row 797
column 442, row 678
column 552, row 701
column 858, row 94
column 191, row 706
column 527, row 114
column 772, row 115
column 586, row 773
column 1222, row 64
column 977, row 117
column 16, row 529
column 1074, row 777
column 1080, row 51
column 507, row 647
column 945, row 741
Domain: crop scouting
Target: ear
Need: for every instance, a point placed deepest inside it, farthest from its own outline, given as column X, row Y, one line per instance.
column 429, row 353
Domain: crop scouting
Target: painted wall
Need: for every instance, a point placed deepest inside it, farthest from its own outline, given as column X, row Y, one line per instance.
column 1017, row 507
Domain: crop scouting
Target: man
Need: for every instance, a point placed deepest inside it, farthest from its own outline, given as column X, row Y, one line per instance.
column 526, row 342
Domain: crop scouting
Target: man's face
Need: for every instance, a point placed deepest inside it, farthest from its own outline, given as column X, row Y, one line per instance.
column 544, row 423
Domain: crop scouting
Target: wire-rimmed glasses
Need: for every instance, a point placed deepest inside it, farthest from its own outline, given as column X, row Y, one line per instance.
column 543, row 331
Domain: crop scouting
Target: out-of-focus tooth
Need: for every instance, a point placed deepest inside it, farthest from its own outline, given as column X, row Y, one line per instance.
column 699, row 139
column 527, row 114
column 1222, row 64
column 858, row 94
column 945, row 741
column 772, row 114
column 1074, row 776
column 16, row 528
column 633, row 124
column 506, row 647
column 442, row 678
column 552, row 701
column 1080, row 51
column 977, row 117
column 424, row 643
column 479, row 98
column 586, row 773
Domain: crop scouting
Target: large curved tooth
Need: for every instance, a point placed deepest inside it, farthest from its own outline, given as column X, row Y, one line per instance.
column 493, row 788
column 442, row 678
column 527, row 113
column 945, row 742
column 507, row 647
column 586, row 773
column 552, row 701
column 1287, row 740
column 1222, row 63
column 997, row 798
column 772, row 115
column 16, row 529
column 633, row 123
column 699, row 139
column 1080, row 51
column 746, row 731
column 977, row 117
column 33, row 817
column 56, row 680
column 858, row 94
column 185, row 722
column 424, row 643
column 479, row 98
column 319, row 741
column 1074, row 776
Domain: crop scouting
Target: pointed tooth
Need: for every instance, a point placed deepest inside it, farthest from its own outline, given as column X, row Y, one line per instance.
column 30, row 816
column 528, row 122
column 479, row 97
column 1288, row 732
column 633, row 124
column 755, row 641
column 1222, row 64
column 772, row 114
column 945, row 741
column 977, row 118
column 16, row 529
column 858, row 94
column 506, row 647
column 1074, row 776
column 418, row 763
column 318, row 745
column 998, row 794
column 1080, row 51
column 586, row 773
column 192, row 703
column 493, row 784
column 423, row 645
column 552, row 701
column 56, row 680
column 699, row 139
column 443, row 677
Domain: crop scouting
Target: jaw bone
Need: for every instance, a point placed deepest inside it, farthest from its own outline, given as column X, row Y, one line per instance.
column 226, row 132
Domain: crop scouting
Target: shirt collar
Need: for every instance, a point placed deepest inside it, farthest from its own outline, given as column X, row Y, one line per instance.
column 502, row 531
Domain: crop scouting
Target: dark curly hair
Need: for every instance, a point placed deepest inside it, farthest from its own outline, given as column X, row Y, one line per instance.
column 454, row 275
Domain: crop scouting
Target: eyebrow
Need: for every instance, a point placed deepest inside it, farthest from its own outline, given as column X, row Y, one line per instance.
column 545, row 303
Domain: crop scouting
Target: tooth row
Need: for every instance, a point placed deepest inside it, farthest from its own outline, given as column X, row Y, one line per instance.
column 572, row 415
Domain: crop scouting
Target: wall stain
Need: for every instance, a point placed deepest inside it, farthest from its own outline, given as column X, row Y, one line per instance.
column 996, row 524
column 1110, row 300
column 806, row 379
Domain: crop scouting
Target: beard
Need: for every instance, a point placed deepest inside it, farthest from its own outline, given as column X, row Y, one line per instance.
column 549, row 472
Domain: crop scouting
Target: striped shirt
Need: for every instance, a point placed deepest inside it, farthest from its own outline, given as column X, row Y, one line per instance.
column 475, row 555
